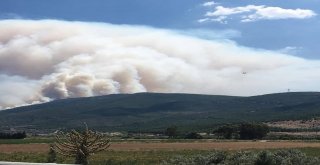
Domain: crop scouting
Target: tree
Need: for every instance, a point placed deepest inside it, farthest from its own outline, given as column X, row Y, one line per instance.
column 18, row 135
column 80, row 144
column 253, row 131
column 226, row 131
column 193, row 135
column 172, row 131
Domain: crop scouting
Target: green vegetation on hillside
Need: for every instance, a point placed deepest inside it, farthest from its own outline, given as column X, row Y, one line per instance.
column 155, row 112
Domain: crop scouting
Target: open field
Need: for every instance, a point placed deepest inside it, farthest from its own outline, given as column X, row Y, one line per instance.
column 148, row 146
column 112, row 157
column 151, row 152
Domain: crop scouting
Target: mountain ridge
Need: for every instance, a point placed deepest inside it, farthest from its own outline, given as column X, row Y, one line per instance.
column 156, row 111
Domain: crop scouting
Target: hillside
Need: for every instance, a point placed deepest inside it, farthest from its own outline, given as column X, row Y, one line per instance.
column 155, row 111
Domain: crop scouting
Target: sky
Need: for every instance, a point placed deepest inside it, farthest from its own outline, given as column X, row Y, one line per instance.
column 57, row 49
column 298, row 36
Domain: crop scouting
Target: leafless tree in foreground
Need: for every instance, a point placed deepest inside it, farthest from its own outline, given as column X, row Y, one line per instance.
column 80, row 144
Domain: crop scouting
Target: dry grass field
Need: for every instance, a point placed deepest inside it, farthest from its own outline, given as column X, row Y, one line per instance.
column 142, row 146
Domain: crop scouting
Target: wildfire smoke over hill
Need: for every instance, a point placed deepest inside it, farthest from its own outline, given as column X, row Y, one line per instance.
column 48, row 59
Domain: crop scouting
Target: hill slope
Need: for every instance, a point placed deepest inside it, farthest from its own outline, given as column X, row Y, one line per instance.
column 154, row 111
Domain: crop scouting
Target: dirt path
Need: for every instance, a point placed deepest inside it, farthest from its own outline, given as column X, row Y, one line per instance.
column 136, row 146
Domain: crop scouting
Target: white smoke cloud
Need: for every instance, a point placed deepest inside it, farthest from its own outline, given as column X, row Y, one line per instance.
column 48, row 59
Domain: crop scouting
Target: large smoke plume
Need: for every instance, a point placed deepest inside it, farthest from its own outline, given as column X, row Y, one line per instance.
column 47, row 59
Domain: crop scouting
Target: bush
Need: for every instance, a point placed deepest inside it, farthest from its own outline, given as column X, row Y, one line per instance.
column 280, row 157
column 293, row 157
column 193, row 135
column 215, row 157
column 241, row 158
column 52, row 155
column 264, row 158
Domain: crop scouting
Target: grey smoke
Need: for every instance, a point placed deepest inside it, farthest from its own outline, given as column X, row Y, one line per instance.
column 49, row 59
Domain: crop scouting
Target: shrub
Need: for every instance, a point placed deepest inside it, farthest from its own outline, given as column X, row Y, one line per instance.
column 264, row 158
column 280, row 157
column 80, row 144
column 52, row 155
column 215, row 157
column 293, row 157
column 241, row 158
column 193, row 135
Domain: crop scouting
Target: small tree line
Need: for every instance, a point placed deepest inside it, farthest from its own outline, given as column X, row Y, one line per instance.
column 244, row 131
column 17, row 135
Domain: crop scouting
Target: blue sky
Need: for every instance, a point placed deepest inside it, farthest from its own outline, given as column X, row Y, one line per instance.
column 296, row 36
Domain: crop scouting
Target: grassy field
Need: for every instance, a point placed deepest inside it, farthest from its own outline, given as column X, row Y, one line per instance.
column 144, row 151
column 31, row 140
column 125, row 157
column 112, row 157
column 174, row 146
